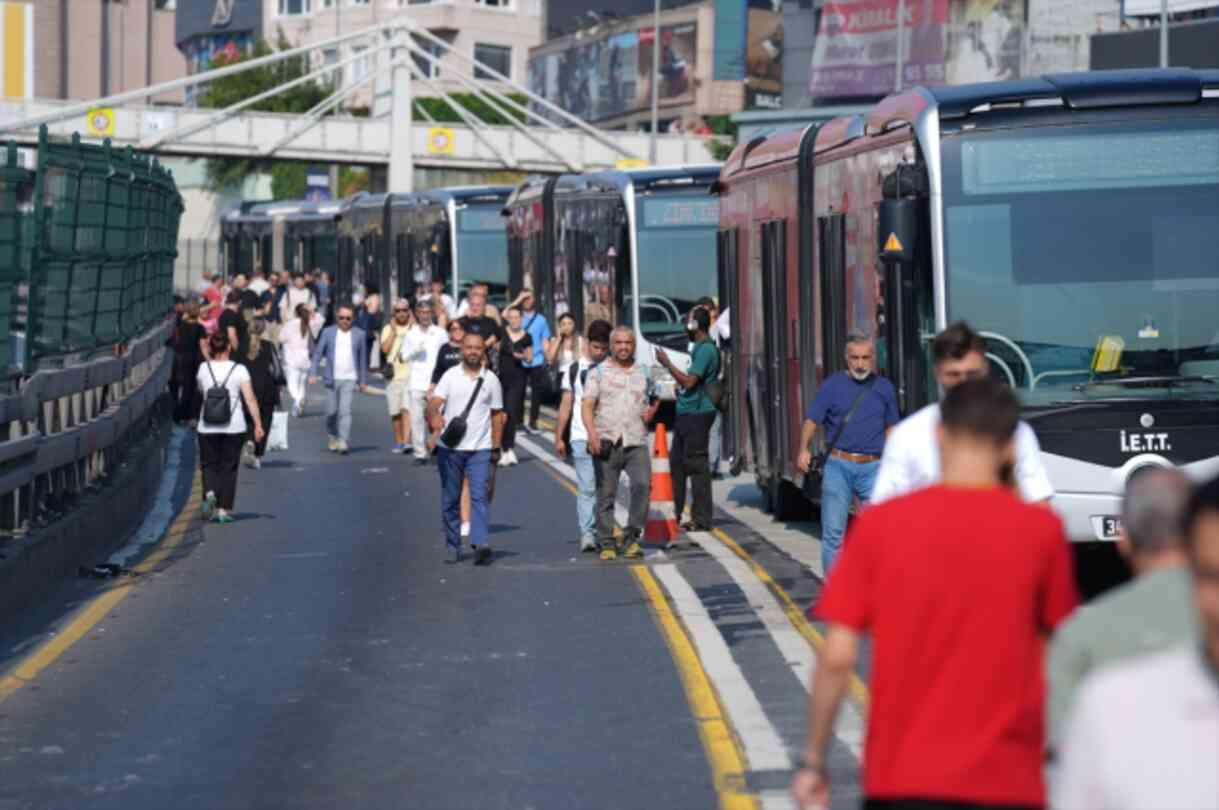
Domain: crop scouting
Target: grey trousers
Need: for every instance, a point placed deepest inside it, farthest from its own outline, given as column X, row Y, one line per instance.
column 338, row 409
column 636, row 462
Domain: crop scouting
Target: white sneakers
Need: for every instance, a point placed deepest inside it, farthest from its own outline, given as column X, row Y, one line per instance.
column 508, row 458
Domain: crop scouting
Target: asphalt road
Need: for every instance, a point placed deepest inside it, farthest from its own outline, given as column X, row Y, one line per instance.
column 322, row 652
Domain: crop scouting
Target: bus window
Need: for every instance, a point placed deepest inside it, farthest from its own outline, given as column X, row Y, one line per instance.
column 676, row 266
column 481, row 252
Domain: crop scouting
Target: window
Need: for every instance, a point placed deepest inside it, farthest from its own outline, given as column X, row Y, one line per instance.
column 427, row 68
column 293, row 8
column 495, row 3
column 359, row 2
column 361, row 67
column 495, row 57
column 330, row 58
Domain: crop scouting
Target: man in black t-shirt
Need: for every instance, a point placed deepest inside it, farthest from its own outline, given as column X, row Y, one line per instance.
column 233, row 324
column 477, row 322
column 249, row 298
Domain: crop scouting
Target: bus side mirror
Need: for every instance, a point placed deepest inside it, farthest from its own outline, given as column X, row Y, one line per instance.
column 897, row 230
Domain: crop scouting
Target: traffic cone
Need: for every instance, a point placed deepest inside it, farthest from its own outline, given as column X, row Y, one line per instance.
column 661, row 528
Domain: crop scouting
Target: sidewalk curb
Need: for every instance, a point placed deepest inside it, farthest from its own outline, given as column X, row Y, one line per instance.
column 99, row 524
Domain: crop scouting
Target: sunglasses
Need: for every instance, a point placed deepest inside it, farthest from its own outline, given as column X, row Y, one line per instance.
column 396, row 311
column 343, row 318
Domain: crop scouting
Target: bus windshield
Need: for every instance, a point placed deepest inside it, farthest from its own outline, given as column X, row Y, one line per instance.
column 676, row 246
column 482, row 251
column 1087, row 256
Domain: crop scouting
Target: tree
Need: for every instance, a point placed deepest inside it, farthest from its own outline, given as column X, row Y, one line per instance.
column 288, row 177
column 443, row 113
column 721, row 125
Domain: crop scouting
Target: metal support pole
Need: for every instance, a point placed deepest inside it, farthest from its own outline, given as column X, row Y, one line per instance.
column 401, row 165
column 1163, row 33
column 901, row 44
column 655, row 83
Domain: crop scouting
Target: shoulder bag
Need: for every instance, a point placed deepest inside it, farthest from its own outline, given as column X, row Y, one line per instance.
column 455, row 431
column 716, row 389
column 277, row 368
column 217, row 409
column 817, row 467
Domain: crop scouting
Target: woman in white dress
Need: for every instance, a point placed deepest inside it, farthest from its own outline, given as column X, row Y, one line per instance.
column 297, row 338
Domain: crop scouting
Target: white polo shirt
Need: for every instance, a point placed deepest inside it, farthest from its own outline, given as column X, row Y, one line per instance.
column 911, row 459
column 1143, row 734
column 419, row 348
column 579, row 433
column 455, row 388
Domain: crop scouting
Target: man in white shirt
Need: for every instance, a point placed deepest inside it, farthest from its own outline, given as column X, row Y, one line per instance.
column 911, row 458
column 345, row 351
column 473, row 392
column 420, row 348
column 1145, row 733
column 259, row 284
column 577, row 442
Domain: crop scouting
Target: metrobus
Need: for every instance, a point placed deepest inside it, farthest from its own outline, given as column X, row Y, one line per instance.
column 399, row 242
column 280, row 236
column 634, row 247
column 1069, row 219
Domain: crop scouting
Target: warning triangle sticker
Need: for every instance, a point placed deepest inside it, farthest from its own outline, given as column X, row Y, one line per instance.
column 893, row 244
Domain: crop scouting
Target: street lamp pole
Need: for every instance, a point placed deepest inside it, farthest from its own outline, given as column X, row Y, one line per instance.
column 655, row 81
column 1163, row 33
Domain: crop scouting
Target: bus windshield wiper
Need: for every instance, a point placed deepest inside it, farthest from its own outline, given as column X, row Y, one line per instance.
column 1166, row 381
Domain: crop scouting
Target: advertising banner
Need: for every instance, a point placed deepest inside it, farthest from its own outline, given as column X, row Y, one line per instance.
column 856, row 47
column 984, row 41
column 764, row 60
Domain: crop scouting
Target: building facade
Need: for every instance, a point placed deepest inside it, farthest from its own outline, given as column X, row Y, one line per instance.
column 83, row 49
column 717, row 57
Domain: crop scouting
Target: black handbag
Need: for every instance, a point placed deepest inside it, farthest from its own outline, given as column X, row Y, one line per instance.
column 277, row 369
column 455, row 431
column 817, row 467
column 217, row 408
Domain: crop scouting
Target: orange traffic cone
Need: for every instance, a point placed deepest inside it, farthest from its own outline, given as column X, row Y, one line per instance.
column 661, row 528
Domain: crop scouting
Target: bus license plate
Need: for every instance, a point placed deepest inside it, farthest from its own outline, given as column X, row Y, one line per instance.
column 1107, row 526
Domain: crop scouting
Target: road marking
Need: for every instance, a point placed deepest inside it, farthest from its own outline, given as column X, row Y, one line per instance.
column 763, row 747
column 153, row 527
column 723, row 753
column 99, row 607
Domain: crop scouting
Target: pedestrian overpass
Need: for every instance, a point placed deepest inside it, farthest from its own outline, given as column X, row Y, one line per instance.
column 541, row 137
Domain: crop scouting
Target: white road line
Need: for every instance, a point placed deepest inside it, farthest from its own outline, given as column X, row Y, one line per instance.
column 764, row 749
column 162, row 513
column 793, row 646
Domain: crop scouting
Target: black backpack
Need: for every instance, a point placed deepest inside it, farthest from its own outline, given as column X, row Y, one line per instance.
column 217, row 408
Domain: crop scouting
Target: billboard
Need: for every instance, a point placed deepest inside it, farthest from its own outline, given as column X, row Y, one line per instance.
column 16, row 50
column 855, row 53
column 764, row 59
column 984, row 41
column 612, row 75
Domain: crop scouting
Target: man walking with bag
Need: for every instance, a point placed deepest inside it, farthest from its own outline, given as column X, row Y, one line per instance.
column 696, row 412
column 345, row 351
column 467, row 408
column 855, row 408
column 616, row 410
column 571, row 435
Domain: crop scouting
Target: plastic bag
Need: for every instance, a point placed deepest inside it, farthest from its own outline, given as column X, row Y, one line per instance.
column 278, row 440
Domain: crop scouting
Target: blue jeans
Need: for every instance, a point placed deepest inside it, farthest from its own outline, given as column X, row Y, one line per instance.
column 455, row 467
column 338, row 408
column 843, row 481
column 586, row 482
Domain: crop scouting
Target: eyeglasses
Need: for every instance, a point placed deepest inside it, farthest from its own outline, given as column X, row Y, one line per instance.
column 343, row 318
column 396, row 311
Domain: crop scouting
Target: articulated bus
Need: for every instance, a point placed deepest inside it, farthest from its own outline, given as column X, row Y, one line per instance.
column 1071, row 219
column 280, row 236
column 633, row 247
column 399, row 242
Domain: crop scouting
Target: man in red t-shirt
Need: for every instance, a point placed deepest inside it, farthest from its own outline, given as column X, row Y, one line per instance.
column 958, row 586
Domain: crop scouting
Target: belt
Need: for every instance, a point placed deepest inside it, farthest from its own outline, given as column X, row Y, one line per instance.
column 858, row 458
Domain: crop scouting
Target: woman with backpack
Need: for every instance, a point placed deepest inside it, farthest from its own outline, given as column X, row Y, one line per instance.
column 266, row 375
column 297, row 338
column 222, row 426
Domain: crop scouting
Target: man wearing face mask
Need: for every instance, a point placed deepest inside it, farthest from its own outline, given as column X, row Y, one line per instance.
column 855, row 408
column 689, row 457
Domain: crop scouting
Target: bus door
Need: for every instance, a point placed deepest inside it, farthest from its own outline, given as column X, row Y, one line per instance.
column 774, row 344
column 903, row 248
column 727, row 246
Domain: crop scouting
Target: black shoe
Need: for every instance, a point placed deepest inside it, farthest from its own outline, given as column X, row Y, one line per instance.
column 691, row 526
column 422, row 462
column 482, row 555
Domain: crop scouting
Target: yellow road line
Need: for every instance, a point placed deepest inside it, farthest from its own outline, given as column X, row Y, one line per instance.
column 857, row 688
column 98, row 608
column 723, row 752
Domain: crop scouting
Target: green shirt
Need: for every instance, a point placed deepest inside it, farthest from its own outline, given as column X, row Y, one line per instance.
column 1151, row 613
column 704, row 364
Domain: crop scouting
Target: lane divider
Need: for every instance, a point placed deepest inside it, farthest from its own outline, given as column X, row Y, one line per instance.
column 721, row 746
column 100, row 606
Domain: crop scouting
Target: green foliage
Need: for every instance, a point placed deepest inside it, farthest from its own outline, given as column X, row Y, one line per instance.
column 443, row 113
column 223, row 173
column 288, row 180
column 352, row 179
column 721, row 125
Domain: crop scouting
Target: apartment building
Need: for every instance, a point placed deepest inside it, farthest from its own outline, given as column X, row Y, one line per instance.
column 83, row 49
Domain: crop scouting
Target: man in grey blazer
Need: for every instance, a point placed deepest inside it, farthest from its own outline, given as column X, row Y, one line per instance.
column 346, row 353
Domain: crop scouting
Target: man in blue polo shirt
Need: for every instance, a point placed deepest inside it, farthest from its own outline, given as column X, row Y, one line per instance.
column 537, row 327
column 855, row 408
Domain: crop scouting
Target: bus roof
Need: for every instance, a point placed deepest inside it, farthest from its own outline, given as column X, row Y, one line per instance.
column 1075, row 91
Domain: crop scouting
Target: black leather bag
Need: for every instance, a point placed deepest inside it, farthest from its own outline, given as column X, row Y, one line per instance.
column 217, row 408
column 455, row 431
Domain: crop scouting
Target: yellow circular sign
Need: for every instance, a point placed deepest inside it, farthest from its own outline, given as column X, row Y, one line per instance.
column 100, row 121
column 440, row 140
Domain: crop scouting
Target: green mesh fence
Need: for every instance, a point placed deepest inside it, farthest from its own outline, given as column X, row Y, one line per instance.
column 87, row 248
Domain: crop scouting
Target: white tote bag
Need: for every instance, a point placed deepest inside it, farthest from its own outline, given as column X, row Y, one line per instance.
column 278, row 439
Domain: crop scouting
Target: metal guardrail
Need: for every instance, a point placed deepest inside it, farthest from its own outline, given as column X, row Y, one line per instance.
column 68, row 428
